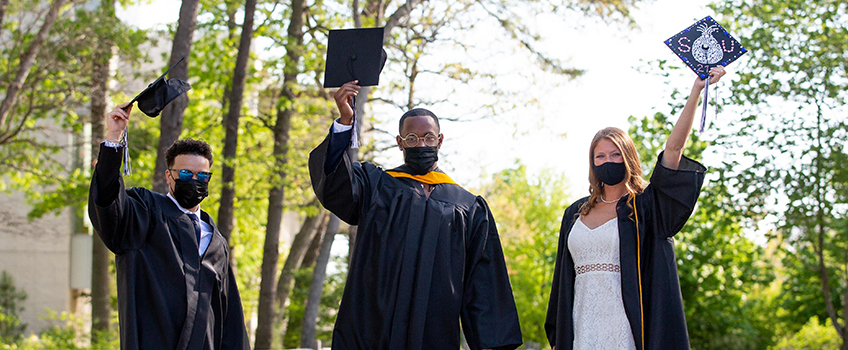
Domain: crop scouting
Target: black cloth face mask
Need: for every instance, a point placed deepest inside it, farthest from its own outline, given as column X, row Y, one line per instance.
column 421, row 159
column 190, row 193
column 610, row 173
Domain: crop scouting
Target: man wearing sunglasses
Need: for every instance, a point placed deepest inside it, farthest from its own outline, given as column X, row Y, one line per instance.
column 176, row 289
column 427, row 252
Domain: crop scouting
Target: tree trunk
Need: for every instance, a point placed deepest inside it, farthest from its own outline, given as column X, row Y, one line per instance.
column 267, row 286
column 293, row 262
column 101, row 256
column 314, row 247
column 843, row 328
column 171, row 119
column 316, row 287
column 364, row 93
column 226, row 220
column 28, row 60
column 295, row 257
column 825, row 280
column 270, row 256
column 844, row 315
column 399, row 14
column 819, row 245
column 101, row 313
column 845, row 312
column 3, row 5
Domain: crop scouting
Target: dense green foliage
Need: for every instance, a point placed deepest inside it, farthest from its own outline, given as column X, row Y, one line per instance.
column 722, row 272
column 528, row 211
column 11, row 327
column 784, row 158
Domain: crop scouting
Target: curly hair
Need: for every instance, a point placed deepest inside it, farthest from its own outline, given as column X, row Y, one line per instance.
column 188, row 146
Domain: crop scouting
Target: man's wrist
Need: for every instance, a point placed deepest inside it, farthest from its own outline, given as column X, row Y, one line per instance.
column 112, row 144
column 345, row 121
column 339, row 127
column 114, row 137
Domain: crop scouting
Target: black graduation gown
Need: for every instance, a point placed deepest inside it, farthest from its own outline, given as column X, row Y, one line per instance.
column 663, row 208
column 168, row 297
column 419, row 265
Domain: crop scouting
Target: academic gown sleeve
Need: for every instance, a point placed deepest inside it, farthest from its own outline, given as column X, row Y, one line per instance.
column 120, row 217
column 234, row 334
column 673, row 195
column 562, row 270
column 667, row 204
column 489, row 316
column 340, row 184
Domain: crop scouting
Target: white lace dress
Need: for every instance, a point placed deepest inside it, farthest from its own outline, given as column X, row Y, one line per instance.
column 599, row 318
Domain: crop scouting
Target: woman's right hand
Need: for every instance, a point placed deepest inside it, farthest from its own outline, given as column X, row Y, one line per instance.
column 715, row 75
column 344, row 100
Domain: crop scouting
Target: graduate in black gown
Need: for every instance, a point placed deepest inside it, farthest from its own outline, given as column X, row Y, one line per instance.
column 175, row 286
column 647, row 218
column 427, row 252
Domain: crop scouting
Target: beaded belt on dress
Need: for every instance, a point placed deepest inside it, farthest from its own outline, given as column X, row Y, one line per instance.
column 597, row 267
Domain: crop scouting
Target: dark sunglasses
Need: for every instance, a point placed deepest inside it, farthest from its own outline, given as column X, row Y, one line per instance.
column 187, row 175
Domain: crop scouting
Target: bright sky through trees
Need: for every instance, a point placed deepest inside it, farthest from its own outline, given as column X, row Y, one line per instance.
column 609, row 92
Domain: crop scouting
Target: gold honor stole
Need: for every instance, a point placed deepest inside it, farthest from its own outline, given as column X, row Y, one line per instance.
column 431, row 178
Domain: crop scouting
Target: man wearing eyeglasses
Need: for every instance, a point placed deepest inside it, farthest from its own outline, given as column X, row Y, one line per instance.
column 427, row 253
column 176, row 289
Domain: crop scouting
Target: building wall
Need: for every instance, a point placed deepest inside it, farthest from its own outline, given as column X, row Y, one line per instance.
column 36, row 254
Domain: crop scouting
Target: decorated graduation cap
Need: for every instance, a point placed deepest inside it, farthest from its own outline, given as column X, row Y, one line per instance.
column 354, row 54
column 153, row 100
column 704, row 45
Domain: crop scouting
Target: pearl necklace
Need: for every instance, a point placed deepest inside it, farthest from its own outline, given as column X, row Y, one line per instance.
column 608, row 202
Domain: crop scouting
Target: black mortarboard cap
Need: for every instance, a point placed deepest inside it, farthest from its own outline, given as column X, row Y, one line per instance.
column 705, row 44
column 354, row 54
column 160, row 93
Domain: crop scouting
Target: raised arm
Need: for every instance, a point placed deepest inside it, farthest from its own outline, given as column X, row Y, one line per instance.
column 677, row 140
column 120, row 220
column 338, row 181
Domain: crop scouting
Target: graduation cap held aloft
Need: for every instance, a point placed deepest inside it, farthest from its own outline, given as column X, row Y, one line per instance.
column 160, row 93
column 153, row 100
column 704, row 45
column 354, row 54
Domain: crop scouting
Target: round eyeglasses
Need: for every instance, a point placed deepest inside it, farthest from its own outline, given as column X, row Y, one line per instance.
column 412, row 140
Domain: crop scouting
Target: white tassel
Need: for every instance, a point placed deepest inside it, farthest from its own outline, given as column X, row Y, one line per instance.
column 127, row 163
column 706, row 102
column 354, row 136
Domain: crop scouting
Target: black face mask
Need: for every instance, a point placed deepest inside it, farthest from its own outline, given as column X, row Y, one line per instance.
column 190, row 193
column 421, row 159
column 610, row 173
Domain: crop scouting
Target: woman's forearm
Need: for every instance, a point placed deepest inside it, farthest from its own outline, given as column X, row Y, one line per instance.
column 677, row 140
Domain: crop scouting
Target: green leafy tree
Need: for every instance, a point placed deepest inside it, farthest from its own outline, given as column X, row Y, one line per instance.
column 11, row 327
column 720, row 269
column 326, row 318
column 812, row 336
column 69, row 69
column 257, row 168
column 43, row 111
column 528, row 211
column 787, row 155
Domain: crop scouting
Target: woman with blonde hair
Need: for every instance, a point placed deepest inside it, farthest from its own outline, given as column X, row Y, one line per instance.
column 615, row 284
